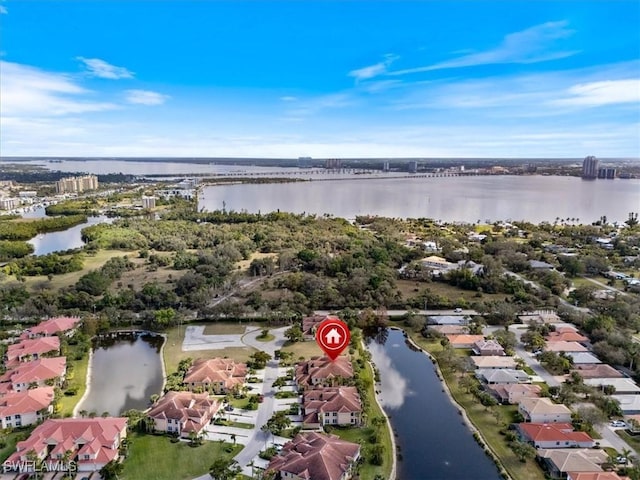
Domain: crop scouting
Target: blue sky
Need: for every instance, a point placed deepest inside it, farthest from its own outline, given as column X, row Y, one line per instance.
column 324, row 79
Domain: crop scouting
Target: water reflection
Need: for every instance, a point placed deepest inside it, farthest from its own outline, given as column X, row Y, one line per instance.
column 393, row 384
column 125, row 373
column 45, row 243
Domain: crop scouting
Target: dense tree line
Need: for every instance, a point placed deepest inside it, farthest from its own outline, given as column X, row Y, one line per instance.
column 51, row 264
column 24, row 230
column 74, row 207
column 11, row 249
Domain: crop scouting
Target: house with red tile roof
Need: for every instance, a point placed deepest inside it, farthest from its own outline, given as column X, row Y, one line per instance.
column 19, row 409
column 566, row 335
column 493, row 361
column 30, row 349
column 331, row 406
column 597, row 370
column 217, row 375
column 93, row 442
column 48, row 328
column 513, row 393
column 543, row 410
column 463, row 340
column 38, row 372
column 183, row 413
column 316, row 456
column 487, row 348
column 562, row 346
column 553, row 435
column 593, row 476
column 323, row 371
column 309, row 325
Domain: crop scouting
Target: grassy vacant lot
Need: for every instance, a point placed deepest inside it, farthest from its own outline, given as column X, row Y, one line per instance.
column 173, row 351
column 77, row 379
column 244, row 264
column 226, row 328
column 303, row 349
column 484, row 420
column 408, row 290
column 154, row 457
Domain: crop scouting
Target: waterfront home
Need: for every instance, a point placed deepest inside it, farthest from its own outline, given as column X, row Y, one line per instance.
column 48, row 328
column 449, row 329
column 40, row 373
column 629, row 404
column 487, row 348
column 31, row 349
column 594, row 476
column 310, row 324
column 217, row 375
column 553, row 435
column 562, row 346
column 493, row 361
column 620, row 385
column 559, row 462
column 492, row 376
column 543, row 410
column 513, row 393
column 183, row 413
column 331, row 406
column 464, row 341
column 323, row 371
column 583, row 357
column 316, row 456
column 19, row 409
column 597, row 370
column 93, row 442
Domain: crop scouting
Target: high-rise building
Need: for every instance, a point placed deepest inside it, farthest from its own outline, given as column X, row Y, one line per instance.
column 413, row 166
column 590, row 167
column 77, row 184
column 148, row 202
column 385, row 166
column 333, row 163
column 607, row 172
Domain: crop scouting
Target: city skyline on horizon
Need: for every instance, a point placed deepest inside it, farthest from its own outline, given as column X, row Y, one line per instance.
column 450, row 80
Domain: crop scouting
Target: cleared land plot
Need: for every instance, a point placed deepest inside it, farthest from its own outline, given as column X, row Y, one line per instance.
column 407, row 288
column 303, row 349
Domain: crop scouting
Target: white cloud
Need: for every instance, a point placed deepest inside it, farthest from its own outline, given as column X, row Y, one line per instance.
column 3, row 10
column 288, row 98
column 373, row 70
column 532, row 45
column 29, row 91
column 596, row 94
column 101, row 69
column 145, row 97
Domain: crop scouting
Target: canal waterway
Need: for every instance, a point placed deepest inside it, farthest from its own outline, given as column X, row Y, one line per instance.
column 434, row 442
column 45, row 243
column 125, row 372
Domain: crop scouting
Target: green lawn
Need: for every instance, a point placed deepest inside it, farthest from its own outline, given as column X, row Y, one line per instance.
column 632, row 440
column 303, row 349
column 269, row 337
column 77, row 379
column 154, row 457
column 11, row 439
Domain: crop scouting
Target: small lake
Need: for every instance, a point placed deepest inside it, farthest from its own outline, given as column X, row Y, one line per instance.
column 434, row 442
column 45, row 243
column 125, row 372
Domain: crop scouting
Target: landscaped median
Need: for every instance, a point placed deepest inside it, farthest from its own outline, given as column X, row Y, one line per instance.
column 488, row 420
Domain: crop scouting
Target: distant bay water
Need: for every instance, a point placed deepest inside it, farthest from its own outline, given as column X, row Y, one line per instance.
column 532, row 198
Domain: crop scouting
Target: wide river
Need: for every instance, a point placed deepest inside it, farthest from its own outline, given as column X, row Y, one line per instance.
column 434, row 441
column 469, row 199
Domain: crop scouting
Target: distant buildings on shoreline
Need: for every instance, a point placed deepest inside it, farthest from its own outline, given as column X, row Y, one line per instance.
column 591, row 169
column 77, row 184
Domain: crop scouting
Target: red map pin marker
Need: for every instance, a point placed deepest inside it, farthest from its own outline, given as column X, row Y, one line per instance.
column 333, row 337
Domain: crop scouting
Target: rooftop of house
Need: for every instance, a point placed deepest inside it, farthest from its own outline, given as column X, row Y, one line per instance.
column 323, row 368
column 487, row 345
column 552, row 432
column 35, row 346
column 191, row 409
column 28, row 401
column 493, row 361
column 520, row 389
column 625, row 385
column 464, row 339
column 575, row 459
column 583, row 357
column 51, row 327
column 79, row 435
column 563, row 346
column 315, row 456
column 542, row 406
column 36, row 370
column 593, row 476
column 566, row 336
column 597, row 370
column 216, row 370
column 330, row 399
